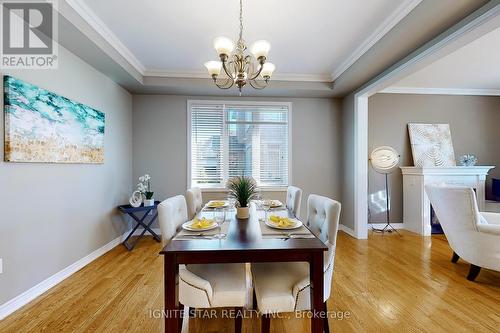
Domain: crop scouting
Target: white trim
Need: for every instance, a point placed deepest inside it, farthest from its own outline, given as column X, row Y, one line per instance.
column 347, row 230
column 32, row 293
column 441, row 91
column 396, row 16
column 102, row 29
column 203, row 75
column 360, row 166
column 189, row 104
column 395, row 225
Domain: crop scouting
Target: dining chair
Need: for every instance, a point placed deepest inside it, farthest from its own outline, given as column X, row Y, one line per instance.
column 285, row 287
column 473, row 236
column 203, row 286
column 294, row 199
column 194, row 201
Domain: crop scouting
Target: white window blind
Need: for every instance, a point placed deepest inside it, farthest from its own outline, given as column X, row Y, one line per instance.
column 229, row 140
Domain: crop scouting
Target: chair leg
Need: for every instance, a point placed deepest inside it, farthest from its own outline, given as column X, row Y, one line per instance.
column 238, row 320
column 455, row 258
column 326, row 328
column 265, row 324
column 181, row 314
column 473, row 272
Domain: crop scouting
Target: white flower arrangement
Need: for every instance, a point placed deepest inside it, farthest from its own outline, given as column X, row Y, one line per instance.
column 144, row 186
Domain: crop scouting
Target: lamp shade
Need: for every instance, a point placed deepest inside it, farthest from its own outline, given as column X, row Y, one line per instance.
column 267, row 70
column 384, row 159
column 213, row 67
column 223, row 45
column 260, row 48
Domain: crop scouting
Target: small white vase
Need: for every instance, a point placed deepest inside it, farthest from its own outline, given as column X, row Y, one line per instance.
column 149, row 202
column 242, row 212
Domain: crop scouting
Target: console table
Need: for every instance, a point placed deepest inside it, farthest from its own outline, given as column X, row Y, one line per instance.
column 416, row 204
column 142, row 221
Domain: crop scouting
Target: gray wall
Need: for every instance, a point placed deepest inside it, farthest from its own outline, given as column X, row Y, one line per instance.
column 474, row 122
column 160, row 144
column 56, row 214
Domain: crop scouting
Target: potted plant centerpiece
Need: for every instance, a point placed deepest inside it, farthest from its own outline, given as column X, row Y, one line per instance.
column 242, row 189
column 144, row 187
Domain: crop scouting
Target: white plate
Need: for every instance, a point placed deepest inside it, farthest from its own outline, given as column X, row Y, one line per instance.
column 213, row 207
column 297, row 225
column 187, row 226
column 276, row 203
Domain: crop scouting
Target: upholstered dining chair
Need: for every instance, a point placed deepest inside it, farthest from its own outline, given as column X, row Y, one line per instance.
column 194, row 201
column 473, row 236
column 294, row 200
column 285, row 287
column 203, row 286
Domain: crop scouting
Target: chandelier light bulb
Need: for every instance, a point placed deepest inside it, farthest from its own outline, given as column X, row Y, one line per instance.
column 267, row 70
column 260, row 48
column 223, row 45
column 213, row 67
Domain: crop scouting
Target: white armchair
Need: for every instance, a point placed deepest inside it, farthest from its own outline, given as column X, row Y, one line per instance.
column 203, row 286
column 194, row 201
column 294, row 199
column 285, row 287
column 473, row 236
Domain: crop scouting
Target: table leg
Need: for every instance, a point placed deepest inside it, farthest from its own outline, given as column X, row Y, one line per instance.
column 171, row 270
column 316, row 277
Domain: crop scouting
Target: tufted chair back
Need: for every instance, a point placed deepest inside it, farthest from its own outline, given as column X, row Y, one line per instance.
column 194, row 201
column 323, row 215
column 293, row 200
column 172, row 213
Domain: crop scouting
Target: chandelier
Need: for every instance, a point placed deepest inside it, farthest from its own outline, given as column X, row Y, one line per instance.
column 240, row 68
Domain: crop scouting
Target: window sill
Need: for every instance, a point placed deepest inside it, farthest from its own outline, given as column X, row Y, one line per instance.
column 262, row 189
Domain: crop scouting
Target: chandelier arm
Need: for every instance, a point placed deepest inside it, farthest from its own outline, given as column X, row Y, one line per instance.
column 226, row 70
column 256, row 75
column 255, row 85
column 224, row 85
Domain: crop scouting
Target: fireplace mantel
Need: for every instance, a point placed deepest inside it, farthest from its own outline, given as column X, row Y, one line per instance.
column 416, row 205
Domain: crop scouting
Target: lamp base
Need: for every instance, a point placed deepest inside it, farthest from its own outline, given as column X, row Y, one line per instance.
column 388, row 228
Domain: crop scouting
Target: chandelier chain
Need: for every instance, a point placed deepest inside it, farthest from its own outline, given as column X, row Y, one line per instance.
column 241, row 20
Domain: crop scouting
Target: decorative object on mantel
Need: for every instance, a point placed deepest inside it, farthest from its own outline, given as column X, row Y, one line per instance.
column 385, row 160
column 144, row 187
column 431, row 145
column 41, row 126
column 467, row 160
column 243, row 189
column 240, row 68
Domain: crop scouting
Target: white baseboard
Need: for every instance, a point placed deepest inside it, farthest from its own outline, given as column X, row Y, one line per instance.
column 347, row 230
column 30, row 294
column 382, row 225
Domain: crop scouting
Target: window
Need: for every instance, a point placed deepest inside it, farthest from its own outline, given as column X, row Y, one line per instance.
column 238, row 139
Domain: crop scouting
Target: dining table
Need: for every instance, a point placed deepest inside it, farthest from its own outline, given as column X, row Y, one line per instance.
column 244, row 243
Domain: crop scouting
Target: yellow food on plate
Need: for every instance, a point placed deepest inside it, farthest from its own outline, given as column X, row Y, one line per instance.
column 216, row 204
column 281, row 222
column 201, row 223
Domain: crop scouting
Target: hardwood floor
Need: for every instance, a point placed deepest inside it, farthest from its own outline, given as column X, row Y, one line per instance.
column 388, row 283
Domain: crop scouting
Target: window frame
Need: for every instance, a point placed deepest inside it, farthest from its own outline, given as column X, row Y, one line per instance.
column 190, row 102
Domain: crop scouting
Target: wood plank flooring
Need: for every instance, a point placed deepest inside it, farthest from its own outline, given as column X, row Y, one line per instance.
column 388, row 283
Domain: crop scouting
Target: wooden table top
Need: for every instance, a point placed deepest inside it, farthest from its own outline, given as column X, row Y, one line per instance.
column 242, row 235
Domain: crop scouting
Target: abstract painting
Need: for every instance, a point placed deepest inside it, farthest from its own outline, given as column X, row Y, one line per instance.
column 431, row 145
column 41, row 126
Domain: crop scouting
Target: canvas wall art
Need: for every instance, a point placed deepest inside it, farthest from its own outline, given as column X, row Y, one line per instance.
column 431, row 145
column 41, row 126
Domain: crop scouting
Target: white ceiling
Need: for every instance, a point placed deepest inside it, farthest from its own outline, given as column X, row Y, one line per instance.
column 311, row 40
column 472, row 69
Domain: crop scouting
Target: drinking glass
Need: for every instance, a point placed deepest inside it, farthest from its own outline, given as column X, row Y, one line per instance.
column 266, row 205
column 219, row 218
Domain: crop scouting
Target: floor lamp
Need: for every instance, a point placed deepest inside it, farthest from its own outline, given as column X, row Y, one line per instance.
column 385, row 160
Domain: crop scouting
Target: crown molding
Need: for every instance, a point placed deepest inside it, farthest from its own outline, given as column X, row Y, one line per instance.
column 204, row 75
column 441, row 91
column 397, row 15
column 102, row 29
